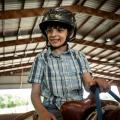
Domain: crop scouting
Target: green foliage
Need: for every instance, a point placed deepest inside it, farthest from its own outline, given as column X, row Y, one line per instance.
column 8, row 101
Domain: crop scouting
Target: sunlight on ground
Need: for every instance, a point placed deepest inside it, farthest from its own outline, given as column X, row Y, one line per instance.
column 25, row 94
column 22, row 93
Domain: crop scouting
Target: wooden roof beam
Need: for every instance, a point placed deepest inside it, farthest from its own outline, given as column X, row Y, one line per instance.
column 41, row 39
column 21, row 42
column 11, row 14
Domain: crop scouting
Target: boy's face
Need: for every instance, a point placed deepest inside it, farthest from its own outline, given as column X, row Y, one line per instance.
column 56, row 35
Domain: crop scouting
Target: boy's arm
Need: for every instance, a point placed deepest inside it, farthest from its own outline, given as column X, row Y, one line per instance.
column 37, row 103
column 89, row 81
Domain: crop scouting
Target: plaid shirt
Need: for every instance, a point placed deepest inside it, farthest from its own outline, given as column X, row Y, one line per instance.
column 59, row 76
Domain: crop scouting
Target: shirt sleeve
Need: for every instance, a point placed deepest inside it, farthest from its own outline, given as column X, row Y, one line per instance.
column 84, row 63
column 36, row 73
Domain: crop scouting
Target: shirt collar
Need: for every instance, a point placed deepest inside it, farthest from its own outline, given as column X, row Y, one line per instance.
column 66, row 52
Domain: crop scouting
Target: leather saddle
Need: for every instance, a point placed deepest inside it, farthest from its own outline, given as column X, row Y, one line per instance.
column 80, row 110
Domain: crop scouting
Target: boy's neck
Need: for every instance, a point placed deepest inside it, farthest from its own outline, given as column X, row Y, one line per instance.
column 60, row 50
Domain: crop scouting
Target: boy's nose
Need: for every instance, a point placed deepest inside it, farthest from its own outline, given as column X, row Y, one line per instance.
column 53, row 33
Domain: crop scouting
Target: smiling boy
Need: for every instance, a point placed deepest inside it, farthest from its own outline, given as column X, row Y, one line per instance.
column 59, row 73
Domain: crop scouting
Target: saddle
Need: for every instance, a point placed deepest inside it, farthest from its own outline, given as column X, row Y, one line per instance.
column 86, row 109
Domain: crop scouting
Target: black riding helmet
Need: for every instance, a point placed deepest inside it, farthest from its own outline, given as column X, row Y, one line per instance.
column 59, row 16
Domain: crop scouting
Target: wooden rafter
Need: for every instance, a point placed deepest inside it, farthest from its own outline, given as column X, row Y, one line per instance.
column 41, row 39
column 10, row 14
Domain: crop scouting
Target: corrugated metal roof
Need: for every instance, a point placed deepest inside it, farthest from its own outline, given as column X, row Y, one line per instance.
column 97, row 21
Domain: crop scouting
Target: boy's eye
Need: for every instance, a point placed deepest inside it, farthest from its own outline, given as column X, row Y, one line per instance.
column 50, row 29
column 60, row 29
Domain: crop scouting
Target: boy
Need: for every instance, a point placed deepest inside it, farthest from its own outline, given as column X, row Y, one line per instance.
column 59, row 73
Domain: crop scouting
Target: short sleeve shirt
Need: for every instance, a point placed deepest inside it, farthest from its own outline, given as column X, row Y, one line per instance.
column 60, row 77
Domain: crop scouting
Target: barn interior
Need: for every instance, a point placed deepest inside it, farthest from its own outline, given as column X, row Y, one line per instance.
column 98, row 36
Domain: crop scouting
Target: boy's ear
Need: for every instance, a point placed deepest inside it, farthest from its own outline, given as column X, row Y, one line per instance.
column 71, row 33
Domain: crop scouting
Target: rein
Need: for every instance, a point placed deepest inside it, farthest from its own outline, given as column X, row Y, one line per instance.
column 96, row 91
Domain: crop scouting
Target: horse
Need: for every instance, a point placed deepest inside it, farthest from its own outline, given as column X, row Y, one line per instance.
column 86, row 110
